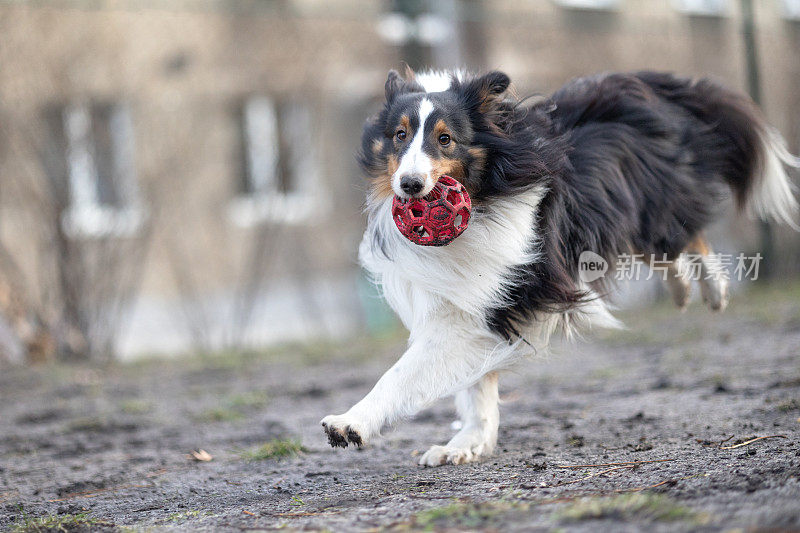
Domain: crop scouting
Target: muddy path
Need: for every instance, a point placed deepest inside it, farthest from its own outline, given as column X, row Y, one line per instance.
column 676, row 398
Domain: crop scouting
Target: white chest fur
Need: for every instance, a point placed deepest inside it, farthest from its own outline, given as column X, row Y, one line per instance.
column 469, row 275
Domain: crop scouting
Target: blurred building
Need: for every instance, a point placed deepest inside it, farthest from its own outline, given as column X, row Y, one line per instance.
column 179, row 174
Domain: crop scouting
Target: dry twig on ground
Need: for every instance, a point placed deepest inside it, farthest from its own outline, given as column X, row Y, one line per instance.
column 751, row 441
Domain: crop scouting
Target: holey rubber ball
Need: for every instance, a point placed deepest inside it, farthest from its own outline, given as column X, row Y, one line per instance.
column 436, row 219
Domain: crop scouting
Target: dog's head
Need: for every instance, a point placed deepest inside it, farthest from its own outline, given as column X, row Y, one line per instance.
column 433, row 125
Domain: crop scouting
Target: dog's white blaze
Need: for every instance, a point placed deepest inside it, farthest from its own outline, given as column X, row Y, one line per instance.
column 415, row 161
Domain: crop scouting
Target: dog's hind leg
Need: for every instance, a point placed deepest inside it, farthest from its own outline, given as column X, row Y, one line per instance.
column 478, row 409
column 679, row 281
column 713, row 278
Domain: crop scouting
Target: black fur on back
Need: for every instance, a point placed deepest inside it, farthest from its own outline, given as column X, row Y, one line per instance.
column 521, row 149
column 633, row 163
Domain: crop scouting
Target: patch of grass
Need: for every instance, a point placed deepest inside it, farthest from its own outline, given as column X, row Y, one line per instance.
column 629, row 336
column 789, row 405
column 769, row 303
column 68, row 522
column 606, row 373
column 136, row 407
column 247, row 400
column 181, row 517
column 772, row 303
column 640, row 330
column 780, row 290
column 576, row 441
column 642, row 445
column 357, row 348
column 233, row 407
column 460, row 516
column 274, row 449
column 219, row 414
column 87, row 424
column 639, row 506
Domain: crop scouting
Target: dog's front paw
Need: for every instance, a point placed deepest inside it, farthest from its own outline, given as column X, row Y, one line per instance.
column 343, row 430
column 443, row 455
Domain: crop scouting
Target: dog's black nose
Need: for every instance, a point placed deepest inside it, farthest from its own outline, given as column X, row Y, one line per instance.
column 411, row 184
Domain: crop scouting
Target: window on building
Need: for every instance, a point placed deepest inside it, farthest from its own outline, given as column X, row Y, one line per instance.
column 101, row 187
column 280, row 179
column 589, row 4
column 426, row 30
column 791, row 9
column 262, row 147
column 709, row 8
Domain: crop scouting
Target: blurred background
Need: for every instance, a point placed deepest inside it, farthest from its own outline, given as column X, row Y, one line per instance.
column 178, row 175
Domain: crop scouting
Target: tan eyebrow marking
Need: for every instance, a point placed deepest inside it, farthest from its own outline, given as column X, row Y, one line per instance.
column 440, row 127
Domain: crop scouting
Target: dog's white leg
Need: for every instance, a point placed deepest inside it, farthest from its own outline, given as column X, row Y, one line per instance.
column 713, row 278
column 480, row 416
column 448, row 356
column 713, row 283
column 679, row 282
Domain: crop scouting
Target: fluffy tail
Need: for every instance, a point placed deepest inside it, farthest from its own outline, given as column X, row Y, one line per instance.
column 771, row 193
column 751, row 154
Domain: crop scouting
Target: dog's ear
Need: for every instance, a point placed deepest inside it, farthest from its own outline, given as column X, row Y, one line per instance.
column 483, row 90
column 394, row 85
column 408, row 73
column 494, row 83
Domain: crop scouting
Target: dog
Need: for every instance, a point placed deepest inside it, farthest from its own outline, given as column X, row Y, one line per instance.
column 615, row 163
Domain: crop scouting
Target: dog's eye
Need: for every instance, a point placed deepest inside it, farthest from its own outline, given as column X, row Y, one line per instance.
column 444, row 139
column 401, row 135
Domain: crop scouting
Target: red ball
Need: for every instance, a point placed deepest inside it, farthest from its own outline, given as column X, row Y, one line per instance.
column 436, row 219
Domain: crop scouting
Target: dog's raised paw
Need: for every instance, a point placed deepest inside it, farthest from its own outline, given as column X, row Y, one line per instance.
column 341, row 432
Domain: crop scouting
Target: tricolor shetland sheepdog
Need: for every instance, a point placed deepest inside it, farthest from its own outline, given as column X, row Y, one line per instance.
column 612, row 163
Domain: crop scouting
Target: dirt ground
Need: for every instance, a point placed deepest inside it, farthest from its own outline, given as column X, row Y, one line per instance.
column 676, row 398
